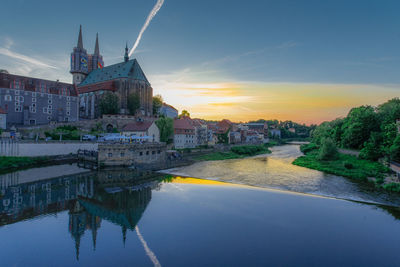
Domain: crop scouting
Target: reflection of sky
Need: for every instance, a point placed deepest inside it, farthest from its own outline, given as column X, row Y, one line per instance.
column 220, row 226
column 303, row 60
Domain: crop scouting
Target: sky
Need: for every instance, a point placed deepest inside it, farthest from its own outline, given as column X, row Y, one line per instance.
column 306, row 61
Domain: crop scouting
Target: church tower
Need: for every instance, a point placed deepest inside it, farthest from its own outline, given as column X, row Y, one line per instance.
column 79, row 61
column 96, row 60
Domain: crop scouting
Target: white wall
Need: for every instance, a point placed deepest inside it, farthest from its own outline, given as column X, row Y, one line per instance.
column 43, row 149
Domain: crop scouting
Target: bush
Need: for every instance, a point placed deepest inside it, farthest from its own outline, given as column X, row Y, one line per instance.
column 348, row 165
column 308, row 147
column 328, row 150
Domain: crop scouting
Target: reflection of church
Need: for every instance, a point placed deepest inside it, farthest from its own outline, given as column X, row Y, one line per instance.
column 119, row 197
column 93, row 80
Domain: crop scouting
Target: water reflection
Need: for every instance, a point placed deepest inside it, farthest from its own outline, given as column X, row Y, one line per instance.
column 119, row 197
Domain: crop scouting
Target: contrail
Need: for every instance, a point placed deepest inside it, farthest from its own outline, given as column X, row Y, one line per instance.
column 149, row 253
column 153, row 12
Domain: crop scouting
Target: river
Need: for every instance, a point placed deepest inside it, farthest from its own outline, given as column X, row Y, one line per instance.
column 276, row 170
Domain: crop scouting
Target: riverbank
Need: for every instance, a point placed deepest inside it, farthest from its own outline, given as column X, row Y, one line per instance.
column 348, row 166
column 10, row 164
column 237, row 152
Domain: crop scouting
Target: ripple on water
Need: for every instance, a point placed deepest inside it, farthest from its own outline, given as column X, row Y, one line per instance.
column 276, row 171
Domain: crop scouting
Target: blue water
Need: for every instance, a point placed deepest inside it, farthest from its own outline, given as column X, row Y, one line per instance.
column 132, row 219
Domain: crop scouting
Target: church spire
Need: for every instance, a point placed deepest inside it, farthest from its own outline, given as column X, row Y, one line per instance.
column 96, row 47
column 80, row 42
column 126, row 57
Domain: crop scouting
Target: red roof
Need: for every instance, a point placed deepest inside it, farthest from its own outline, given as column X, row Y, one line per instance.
column 183, row 123
column 139, row 126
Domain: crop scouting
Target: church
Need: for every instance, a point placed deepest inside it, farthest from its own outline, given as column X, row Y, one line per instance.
column 93, row 80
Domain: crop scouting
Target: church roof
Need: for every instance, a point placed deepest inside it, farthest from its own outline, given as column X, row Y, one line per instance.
column 129, row 69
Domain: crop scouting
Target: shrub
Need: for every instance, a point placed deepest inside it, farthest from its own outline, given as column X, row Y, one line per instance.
column 308, row 147
column 328, row 150
column 348, row 165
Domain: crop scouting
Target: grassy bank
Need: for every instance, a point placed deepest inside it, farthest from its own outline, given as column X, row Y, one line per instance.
column 343, row 165
column 8, row 164
column 237, row 152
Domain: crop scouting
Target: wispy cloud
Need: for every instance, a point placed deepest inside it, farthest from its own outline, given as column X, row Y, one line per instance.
column 6, row 51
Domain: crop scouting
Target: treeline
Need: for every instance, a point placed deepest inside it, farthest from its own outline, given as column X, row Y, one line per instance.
column 301, row 130
column 372, row 130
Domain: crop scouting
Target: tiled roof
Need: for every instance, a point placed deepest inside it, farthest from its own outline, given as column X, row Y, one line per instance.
column 184, row 123
column 139, row 126
column 130, row 69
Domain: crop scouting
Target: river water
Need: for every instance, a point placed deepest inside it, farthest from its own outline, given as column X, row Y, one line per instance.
column 277, row 171
column 67, row 216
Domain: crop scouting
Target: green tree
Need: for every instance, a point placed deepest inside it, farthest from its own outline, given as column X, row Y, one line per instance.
column 133, row 103
column 321, row 132
column 373, row 148
column 184, row 113
column 358, row 125
column 157, row 103
column 109, row 104
column 327, row 150
column 166, row 127
column 394, row 150
column 389, row 111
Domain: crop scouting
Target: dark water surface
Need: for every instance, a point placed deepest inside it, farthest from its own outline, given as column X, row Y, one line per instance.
column 126, row 218
column 277, row 171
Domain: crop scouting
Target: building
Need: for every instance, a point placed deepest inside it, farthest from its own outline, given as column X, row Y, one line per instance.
column 201, row 131
column 168, row 111
column 142, row 130
column 93, row 80
column 3, row 119
column 275, row 133
column 184, row 133
column 32, row 101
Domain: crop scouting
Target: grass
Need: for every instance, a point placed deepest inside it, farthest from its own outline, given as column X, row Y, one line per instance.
column 236, row 152
column 16, row 163
column 343, row 165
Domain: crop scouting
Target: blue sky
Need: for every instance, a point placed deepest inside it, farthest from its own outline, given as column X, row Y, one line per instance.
column 227, row 53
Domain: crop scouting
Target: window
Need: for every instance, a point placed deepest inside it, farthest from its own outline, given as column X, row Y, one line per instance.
column 50, row 101
column 49, row 107
column 49, row 111
column 122, row 154
column 153, row 152
column 7, row 98
column 48, row 118
column 32, row 122
column 68, row 98
column 68, row 104
column 68, row 113
column 33, row 99
column 147, row 152
column 159, row 151
column 33, row 94
column 32, row 109
column 45, row 110
column 34, row 105
column 110, row 155
column 16, row 92
column 140, row 153
column 18, row 109
column 66, row 119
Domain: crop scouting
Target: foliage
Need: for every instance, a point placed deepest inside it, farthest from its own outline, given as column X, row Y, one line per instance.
column 184, row 113
column 67, row 132
column 395, row 187
column 249, row 150
column 98, row 128
column 157, row 103
column 348, row 165
column 362, row 169
column 373, row 148
column 223, row 138
column 328, row 150
column 308, row 147
column 166, row 127
column 394, row 150
column 67, row 128
column 109, row 104
column 10, row 163
column 371, row 130
column 133, row 103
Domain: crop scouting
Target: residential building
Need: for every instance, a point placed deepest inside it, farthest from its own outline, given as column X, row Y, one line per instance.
column 168, row 111
column 184, row 133
column 32, row 101
column 201, row 132
column 142, row 131
column 275, row 133
column 3, row 119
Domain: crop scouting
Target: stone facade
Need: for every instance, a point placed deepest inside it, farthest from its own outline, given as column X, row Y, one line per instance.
column 31, row 101
column 132, row 154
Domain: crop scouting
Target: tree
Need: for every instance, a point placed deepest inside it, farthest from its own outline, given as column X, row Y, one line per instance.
column 166, row 127
column 358, row 125
column 373, row 148
column 327, row 150
column 109, row 104
column 133, row 103
column 157, row 103
column 321, row 132
column 184, row 113
column 394, row 150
